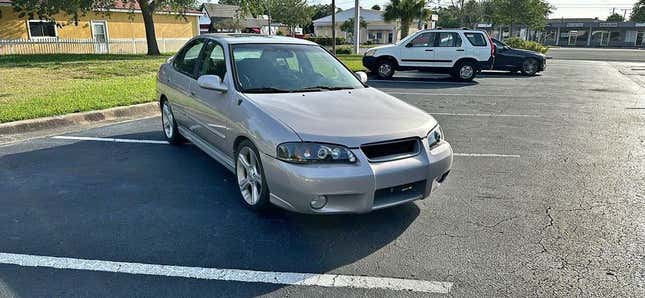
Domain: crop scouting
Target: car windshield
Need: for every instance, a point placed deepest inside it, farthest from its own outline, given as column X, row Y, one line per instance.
column 279, row 68
column 499, row 44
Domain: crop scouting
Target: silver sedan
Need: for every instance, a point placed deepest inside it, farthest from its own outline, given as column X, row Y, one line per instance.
column 297, row 128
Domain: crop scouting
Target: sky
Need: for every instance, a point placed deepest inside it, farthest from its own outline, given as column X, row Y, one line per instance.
column 564, row 8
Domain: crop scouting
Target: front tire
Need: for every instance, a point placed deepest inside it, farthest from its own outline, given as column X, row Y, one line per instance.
column 529, row 67
column 465, row 71
column 169, row 125
column 250, row 177
column 385, row 69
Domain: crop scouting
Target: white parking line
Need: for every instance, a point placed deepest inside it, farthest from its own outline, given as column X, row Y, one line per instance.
column 486, row 155
column 284, row 278
column 109, row 140
column 485, row 115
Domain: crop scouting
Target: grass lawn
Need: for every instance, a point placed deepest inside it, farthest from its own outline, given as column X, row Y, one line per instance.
column 33, row 86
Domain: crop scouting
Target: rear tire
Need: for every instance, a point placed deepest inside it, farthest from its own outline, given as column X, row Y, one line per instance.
column 529, row 67
column 385, row 69
column 169, row 125
column 465, row 71
column 251, row 179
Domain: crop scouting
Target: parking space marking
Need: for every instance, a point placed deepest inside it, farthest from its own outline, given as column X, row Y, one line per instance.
column 252, row 276
column 109, row 140
column 486, row 155
column 485, row 115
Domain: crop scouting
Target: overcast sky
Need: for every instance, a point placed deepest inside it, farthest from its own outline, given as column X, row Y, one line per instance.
column 564, row 8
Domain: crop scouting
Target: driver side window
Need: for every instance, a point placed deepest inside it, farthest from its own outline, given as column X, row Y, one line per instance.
column 423, row 40
column 213, row 62
column 187, row 59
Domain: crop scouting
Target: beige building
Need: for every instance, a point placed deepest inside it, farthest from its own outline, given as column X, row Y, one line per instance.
column 378, row 31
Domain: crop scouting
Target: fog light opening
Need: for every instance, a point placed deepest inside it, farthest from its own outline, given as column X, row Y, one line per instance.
column 318, row 202
column 443, row 177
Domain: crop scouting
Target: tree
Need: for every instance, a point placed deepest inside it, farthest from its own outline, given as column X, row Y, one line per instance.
column 406, row 12
column 317, row 11
column 532, row 13
column 376, row 7
column 615, row 18
column 292, row 12
column 74, row 9
column 252, row 7
column 638, row 12
column 348, row 26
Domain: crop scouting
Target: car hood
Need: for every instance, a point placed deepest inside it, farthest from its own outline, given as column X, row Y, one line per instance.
column 522, row 52
column 346, row 117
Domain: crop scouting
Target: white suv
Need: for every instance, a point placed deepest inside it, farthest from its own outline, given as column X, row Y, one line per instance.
column 461, row 53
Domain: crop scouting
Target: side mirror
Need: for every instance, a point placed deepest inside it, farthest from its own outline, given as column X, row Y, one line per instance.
column 408, row 45
column 211, row 82
column 362, row 76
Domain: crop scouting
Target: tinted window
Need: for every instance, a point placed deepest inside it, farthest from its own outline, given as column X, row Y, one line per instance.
column 449, row 39
column 423, row 40
column 42, row 29
column 476, row 39
column 187, row 59
column 214, row 62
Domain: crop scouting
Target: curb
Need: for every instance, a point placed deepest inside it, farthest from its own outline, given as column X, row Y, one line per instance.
column 117, row 113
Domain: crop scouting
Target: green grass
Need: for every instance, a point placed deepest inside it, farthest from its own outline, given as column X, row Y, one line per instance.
column 33, row 86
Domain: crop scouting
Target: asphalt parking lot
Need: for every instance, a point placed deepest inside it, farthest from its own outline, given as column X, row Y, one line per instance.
column 546, row 198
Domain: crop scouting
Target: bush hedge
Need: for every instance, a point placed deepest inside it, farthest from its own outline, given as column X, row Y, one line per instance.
column 518, row 43
column 344, row 50
column 326, row 41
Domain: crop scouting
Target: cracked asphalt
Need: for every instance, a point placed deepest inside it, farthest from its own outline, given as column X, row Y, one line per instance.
column 565, row 218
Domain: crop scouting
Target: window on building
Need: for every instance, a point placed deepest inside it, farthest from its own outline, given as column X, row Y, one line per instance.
column 41, row 29
column 449, row 39
column 476, row 39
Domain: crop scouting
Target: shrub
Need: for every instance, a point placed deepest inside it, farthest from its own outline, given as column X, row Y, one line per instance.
column 343, row 50
column 367, row 42
column 516, row 42
column 326, row 41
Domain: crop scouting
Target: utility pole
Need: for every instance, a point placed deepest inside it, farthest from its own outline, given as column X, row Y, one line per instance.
column 333, row 27
column 268, row 3
column 357, row 27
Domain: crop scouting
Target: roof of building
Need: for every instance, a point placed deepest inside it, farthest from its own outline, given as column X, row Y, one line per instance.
column 130, row 5
column 242, row 38
column 221, row 10
column 366, row 14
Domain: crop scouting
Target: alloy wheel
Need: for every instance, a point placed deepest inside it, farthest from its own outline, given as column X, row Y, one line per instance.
column 466, row 71
column 385, row 69
column 167, row 121
column 249, row 178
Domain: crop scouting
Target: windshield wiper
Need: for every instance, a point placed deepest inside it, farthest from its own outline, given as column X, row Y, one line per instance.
column 318, row 88
column 266, row 90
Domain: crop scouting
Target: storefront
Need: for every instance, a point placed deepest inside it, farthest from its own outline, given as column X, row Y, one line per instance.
column 594, row 33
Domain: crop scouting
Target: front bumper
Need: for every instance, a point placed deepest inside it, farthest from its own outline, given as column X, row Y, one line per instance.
column 360, row 187
column 370, row 62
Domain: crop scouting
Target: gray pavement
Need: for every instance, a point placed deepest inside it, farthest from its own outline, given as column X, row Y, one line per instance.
column 598, row 54
column 558, row 213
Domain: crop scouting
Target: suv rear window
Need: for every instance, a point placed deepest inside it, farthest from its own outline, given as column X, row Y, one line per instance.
column 476, row 39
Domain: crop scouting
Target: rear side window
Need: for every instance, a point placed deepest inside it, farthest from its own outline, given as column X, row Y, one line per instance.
column 449, row 40
column 476, row 39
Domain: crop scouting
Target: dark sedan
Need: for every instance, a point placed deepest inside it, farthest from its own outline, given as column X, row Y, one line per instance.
column 507, row 58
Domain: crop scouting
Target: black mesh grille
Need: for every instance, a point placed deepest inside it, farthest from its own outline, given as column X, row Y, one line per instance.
column 391, row 149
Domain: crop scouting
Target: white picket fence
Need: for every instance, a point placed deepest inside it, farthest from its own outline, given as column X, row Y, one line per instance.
column 86, row 46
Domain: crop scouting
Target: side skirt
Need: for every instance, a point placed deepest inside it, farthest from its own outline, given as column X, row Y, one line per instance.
column 210, row 150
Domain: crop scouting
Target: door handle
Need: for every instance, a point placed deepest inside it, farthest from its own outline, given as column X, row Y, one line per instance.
column 429, row 50
column 460, row 50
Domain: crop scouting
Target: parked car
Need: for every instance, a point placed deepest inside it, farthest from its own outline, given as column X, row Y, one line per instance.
column 525, row 61
column 297, row 128
column 460, row 53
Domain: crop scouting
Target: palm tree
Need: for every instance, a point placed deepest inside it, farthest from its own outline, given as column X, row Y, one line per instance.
column 406, row 11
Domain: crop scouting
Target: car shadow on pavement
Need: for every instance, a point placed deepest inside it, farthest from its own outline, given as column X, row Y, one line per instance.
column 162, row 204
column 506, row 74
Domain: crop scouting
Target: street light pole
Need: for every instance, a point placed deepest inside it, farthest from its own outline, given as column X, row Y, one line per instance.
column 333, row 27
column 357, row 27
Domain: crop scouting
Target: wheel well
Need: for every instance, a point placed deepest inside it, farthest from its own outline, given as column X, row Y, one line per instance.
column 389, row 58
column 472, row 60
column 239, row 140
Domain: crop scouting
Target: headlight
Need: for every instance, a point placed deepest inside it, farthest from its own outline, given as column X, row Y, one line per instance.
column 370, row 52
column 435, row 136
column 315, row 153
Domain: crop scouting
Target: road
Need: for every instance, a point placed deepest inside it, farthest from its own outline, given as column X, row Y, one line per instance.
column 546, row 198
column 598, row 54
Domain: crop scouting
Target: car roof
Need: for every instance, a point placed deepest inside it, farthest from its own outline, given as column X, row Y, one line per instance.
column 241, row 38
